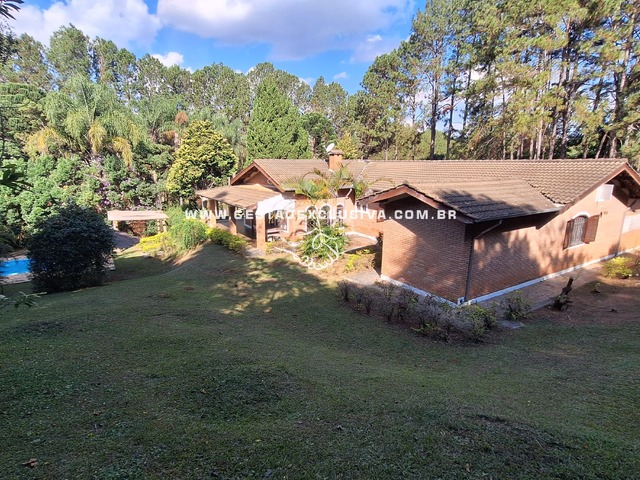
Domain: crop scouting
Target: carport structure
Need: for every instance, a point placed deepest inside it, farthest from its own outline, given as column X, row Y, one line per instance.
column 115, row 216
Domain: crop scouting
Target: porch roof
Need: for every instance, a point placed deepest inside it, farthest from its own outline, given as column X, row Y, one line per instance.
column 243, row 196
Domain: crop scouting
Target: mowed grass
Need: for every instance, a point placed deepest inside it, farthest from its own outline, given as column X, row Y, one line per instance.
column 223, row 367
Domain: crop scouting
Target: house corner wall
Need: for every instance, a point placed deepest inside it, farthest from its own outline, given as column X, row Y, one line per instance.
column 507, row 257
column 430, row 255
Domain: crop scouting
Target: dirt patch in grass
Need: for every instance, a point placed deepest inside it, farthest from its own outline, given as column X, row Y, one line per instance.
column 604, row 302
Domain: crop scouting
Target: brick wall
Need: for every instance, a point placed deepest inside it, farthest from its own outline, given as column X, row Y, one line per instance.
column 504, row 258
column 431, row 255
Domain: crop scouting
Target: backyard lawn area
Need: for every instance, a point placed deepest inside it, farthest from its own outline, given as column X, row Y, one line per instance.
column 230, row 368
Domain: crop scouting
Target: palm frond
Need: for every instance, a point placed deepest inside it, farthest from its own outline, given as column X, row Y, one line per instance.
column 97, row 135
column 42, row 141
column 123, row 147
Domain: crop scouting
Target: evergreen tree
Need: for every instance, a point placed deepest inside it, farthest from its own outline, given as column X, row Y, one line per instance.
column 70, row 53
column 275, row 129
column 204, row 159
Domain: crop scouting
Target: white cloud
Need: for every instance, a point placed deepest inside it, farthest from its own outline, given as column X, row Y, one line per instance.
column 373, row 46
column 171, row 58
column 341, row 75
column 308, row 80
column 123, row 21
column 293, row 29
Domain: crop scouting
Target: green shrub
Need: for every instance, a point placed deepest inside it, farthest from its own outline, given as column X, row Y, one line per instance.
column 151, row 228
column 216, row 235
column 69, row 249
column 516, row 306
column 481, row 315
column 234, row 243
column 156, row 244
column 360, row 260
column 619, row 267
column 188, row 234
column 237, row 244
column 434, row 331
column 176, row 215
column 324, row 243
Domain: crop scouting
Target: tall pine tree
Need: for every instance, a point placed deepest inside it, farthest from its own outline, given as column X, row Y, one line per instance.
column 275, row 129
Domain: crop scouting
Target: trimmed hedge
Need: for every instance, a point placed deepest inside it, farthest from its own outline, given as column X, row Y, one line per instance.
column 232, row 242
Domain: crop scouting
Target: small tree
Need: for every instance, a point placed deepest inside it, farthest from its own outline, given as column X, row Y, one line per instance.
column 68, row 250
column 204, row 158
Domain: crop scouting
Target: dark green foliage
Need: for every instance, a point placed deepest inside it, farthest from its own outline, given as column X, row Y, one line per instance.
column 27, row 63
column 232, row 242
column 204, row 159
column 69, row 53
column 321, row 133
column 516, row 306
column 9, row 7
column 188, row 234
column 69, row 249
column 324, row 243
column 275, row 129
column 7, row 44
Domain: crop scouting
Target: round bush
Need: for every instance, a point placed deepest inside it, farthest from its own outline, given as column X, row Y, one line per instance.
column 69, row 249
column 188, row 234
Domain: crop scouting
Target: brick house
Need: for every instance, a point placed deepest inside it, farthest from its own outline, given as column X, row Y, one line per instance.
column 516, row 222
column 260, row 201
column 460, row 230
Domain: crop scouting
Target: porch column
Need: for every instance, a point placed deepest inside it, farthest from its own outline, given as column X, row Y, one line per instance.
column 261, row 233
column 233, row 228
column 212, row 207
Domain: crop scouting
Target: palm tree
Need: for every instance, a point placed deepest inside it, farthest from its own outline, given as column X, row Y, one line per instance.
column 86, row 119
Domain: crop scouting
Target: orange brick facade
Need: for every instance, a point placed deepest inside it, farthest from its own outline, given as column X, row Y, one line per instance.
column 433, row 255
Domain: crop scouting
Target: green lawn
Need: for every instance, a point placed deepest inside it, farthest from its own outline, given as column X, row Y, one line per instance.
column 223, row 367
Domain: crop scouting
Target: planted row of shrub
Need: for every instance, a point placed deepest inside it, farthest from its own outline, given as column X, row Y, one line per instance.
column 427, row 316
column 232, row 242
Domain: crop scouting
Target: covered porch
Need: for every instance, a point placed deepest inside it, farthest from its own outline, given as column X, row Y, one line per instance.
column 255, row 211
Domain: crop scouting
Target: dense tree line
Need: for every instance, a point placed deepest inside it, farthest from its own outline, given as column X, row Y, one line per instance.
column 510, row 79
column 85, row 120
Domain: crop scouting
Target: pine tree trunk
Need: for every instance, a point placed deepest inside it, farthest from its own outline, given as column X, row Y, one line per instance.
column 433, row 125
column 621, row 84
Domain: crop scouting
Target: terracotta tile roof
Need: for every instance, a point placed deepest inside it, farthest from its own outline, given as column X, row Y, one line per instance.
column 540, row 183
column 283, row 171
column 244, row 196
column 488, row 199
column 562, row 181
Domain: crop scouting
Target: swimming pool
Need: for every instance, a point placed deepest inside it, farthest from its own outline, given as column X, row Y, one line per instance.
column 14, row 266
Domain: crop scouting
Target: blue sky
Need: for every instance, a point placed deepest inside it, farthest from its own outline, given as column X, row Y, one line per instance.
column 336, row 39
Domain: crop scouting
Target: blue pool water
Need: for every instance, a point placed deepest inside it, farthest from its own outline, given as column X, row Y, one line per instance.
column 14, row 266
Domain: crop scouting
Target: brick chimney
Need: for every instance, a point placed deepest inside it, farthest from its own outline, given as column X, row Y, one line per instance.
column 335, row 159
